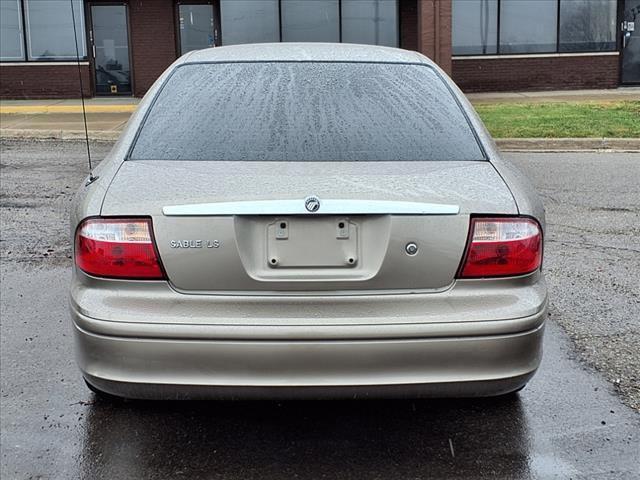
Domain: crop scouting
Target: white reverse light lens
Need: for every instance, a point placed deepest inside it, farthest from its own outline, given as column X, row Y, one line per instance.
column 116, row 231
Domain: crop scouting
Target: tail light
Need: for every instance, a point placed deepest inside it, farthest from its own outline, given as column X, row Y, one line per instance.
column 117, row 248
column 502, row 247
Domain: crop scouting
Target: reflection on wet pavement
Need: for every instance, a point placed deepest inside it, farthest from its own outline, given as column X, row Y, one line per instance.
column 350, row 439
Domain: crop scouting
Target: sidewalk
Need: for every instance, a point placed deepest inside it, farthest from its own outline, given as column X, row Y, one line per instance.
column 106, row 117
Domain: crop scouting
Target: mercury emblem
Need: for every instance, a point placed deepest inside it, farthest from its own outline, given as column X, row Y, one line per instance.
column 312, row 203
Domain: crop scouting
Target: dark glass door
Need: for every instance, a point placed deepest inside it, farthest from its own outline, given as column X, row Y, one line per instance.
column 631, row 42
column 110, row 41
column 198, row 26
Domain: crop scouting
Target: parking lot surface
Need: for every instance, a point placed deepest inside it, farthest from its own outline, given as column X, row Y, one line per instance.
column 578, row 418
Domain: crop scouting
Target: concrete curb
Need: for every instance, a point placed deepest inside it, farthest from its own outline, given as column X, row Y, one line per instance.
column 18, row 134
column 506, row 144
column 569, row 144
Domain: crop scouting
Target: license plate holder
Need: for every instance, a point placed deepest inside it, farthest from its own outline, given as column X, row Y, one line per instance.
column 318, row 242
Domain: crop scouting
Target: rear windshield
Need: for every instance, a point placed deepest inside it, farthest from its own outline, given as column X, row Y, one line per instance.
column 305, row 111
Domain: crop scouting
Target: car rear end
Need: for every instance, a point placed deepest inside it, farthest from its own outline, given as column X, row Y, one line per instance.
column 307, row 238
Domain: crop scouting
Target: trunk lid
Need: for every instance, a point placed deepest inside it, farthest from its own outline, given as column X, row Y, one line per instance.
column 243, row 227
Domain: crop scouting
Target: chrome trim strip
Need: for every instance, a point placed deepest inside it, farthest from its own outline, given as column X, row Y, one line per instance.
column 297, row 207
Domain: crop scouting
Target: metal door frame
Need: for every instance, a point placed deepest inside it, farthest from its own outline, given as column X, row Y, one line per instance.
column 91, row 48
column 217, row 31
column 621, row 7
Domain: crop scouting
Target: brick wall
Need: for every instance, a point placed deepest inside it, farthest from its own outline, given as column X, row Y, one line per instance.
column 536, row 73
column 434, row 31
column 153, row 40
column 43, row 81
column 408, row 12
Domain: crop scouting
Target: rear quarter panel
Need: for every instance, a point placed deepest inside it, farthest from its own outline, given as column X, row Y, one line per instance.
column 524, row 194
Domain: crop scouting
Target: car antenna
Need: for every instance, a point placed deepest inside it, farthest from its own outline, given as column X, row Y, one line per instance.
column 92, row 178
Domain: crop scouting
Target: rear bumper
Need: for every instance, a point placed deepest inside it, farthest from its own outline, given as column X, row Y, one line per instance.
column 189, row 368
column 144, row 340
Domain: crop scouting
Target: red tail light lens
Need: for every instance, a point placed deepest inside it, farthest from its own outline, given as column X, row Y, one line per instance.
column 502, row 247
column 117, row 248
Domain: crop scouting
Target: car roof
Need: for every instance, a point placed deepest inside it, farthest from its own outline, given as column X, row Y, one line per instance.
column 292, row 52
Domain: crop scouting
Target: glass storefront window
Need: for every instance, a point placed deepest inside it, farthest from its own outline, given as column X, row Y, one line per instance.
column 258, row 21
column 50, row 29
column 310, row 21
column 532, row 26
column 196, row 27
column 373, row 22
column 528, row 26
column 249, row 21
column 475, row 27
column 11, row 43
column 587, row 25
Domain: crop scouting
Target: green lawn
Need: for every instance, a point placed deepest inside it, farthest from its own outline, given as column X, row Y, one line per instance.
column 562, row 120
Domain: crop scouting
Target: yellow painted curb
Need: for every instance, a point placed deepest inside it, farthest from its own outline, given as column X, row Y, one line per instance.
column 39, row 109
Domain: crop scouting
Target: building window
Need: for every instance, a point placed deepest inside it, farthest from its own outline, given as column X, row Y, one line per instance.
column 528, row 26
column 11, row 37
column 587, row 25
column 310, row 21
column 486, row 27
column 44, row 26
column 373, row 22
column 249, row 21
column 475, row 27
column 50, row 29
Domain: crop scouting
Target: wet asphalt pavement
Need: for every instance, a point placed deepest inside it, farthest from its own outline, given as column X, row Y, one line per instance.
column 569, row 422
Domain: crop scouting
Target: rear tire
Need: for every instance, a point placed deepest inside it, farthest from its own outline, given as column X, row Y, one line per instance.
column 512, row 394
column 517, row 390
column 102, row 395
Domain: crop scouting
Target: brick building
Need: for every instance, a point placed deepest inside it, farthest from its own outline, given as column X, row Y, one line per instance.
column 486, row 45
